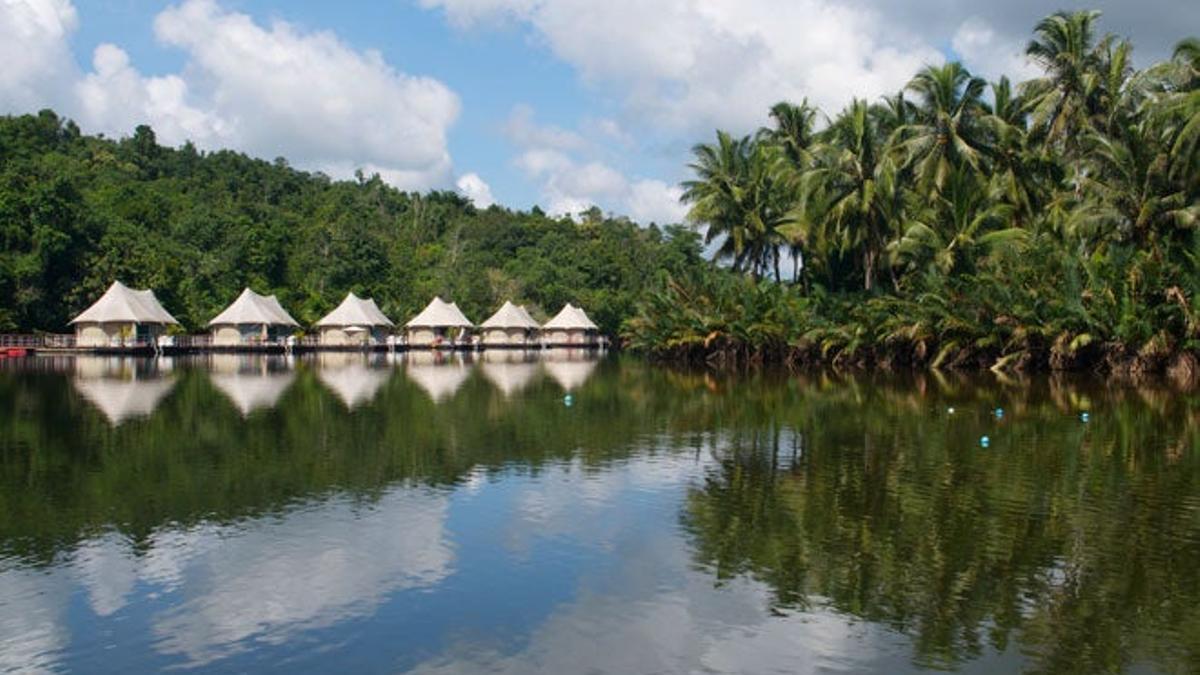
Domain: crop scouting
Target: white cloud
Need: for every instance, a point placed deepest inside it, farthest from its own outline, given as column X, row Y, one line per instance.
column 691, row 64
column 265, row 90
column 655, row 201
column 990, row 55
column 37, row 64
column 572, row 179
column 540, row 161
column 522, row 130
column 114, row 97
column 609, row 129
column 476, row 189
column 311, row 96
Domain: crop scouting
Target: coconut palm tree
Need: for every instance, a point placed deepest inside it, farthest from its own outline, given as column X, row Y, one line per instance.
column 793, row 131
column 859, row 185
column 1063, row 102
column 740, row 196
column 953, row 228
column 1022, row 173
column 948, row 131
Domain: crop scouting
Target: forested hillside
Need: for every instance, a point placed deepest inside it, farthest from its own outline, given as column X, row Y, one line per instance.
column 1046, row 223
column 1050, row 223
column 78, row 211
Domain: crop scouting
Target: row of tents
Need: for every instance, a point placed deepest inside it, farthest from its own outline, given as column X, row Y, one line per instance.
column 125, row 316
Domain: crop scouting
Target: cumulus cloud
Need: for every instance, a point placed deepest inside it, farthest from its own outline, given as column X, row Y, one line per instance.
column 114, row 97
column 523, row 130
column 689, row 64
column 268, row 90
column 38, row 66
column 991, row 55
column 310, row 94
column 572, row 179
column 694, row 64
column 654, row 200
column 475, row 189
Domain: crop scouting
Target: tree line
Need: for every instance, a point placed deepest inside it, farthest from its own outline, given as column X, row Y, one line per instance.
column 1050, row 222
column 78, row 211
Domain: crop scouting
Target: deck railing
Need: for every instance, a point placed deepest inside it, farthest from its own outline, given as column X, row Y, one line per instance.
column 41, row 341
column 204, row 341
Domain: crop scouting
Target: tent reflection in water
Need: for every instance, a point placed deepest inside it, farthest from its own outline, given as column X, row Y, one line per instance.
column 354, row 378
column 251, row 382
column 440, row 375
column 571, row 327
column 123, row 389
column 570, row 368
column 510, row 326
column 510, row 371
column 357, row 322
column 440, row 324
column 122, row 317
column 252, row 320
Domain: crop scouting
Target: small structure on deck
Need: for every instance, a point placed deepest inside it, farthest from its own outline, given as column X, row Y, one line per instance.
column 440, row 325
column 252, row 320
column 510, row 326
column 571, row 328
column 122, row 318
column 357, row 322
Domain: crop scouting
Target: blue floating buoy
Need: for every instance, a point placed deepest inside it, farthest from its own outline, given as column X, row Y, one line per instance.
column 1083, row 417
column 568, row 400
column 999, row 412
column 985, row 441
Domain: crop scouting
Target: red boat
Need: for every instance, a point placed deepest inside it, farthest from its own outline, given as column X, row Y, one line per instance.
column 16, row 351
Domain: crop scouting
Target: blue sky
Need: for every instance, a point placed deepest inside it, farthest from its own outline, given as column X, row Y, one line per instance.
column 560, row 103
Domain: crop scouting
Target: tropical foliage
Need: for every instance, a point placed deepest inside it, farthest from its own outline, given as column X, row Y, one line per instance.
column 77, row 212
column 1050, row 223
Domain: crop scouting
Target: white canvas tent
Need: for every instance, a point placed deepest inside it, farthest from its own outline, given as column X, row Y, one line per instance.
column 350, row 377
column 118, row 390
column 250, row 382
column 441, row 323
column 570, row 327
column 510, row 326
column 357, row 322
column 439, row 376
column 252, row 319
column 122, row 317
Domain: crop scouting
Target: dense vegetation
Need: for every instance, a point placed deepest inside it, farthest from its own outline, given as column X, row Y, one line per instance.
column 1050, row 223
column 77, row 212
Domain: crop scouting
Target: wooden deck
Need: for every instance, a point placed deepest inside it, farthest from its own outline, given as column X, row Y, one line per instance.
column 51, row 343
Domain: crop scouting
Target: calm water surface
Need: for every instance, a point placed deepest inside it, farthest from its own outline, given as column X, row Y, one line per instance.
column 398, row 515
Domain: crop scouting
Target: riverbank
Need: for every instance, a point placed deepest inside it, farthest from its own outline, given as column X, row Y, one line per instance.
column 1113, row 360
column 1020, row 319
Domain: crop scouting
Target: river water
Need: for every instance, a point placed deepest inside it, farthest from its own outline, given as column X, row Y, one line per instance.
column 520, row 514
